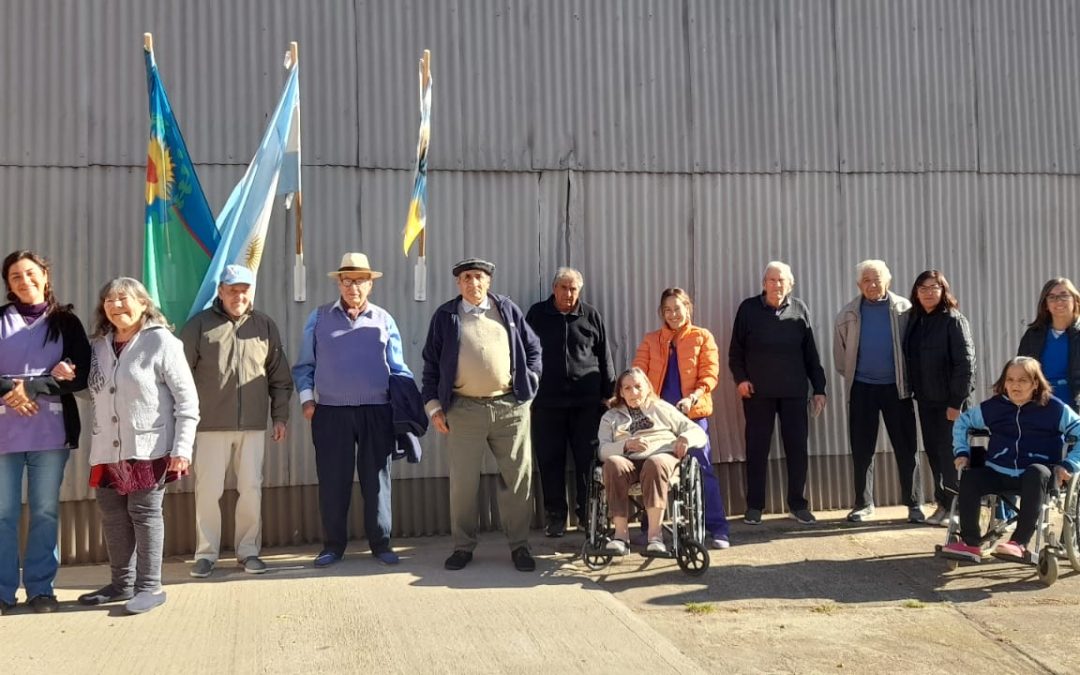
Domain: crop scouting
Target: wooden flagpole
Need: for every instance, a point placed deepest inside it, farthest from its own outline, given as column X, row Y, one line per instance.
column 292, row 58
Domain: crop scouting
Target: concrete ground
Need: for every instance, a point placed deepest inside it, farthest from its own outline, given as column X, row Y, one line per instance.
column 785, row 598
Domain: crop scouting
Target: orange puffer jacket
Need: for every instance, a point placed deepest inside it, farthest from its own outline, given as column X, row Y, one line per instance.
column 699, row 362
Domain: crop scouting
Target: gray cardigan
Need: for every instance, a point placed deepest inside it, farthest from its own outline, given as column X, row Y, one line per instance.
column 145, row 404
column 848, row 331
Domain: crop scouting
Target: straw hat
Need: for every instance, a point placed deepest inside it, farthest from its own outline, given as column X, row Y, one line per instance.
column 356, row 263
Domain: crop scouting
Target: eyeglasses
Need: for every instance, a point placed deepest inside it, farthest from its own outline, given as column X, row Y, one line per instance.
column 349, row 283
column 1058, row 297
column 929, row 288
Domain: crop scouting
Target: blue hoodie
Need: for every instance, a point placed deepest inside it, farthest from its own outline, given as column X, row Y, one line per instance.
column 1020, row 435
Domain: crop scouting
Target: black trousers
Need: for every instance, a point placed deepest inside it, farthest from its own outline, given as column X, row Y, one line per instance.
column 937, row 440
column 353, row 440
column 1031, row 485
column 761, row 412
column 553, row 429
column 866, row 403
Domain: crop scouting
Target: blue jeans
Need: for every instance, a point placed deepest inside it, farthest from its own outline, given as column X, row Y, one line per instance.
column 45, row 473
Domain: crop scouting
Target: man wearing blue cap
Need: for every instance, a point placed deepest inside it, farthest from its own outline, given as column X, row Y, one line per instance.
column 481, row 369
column 242, row 375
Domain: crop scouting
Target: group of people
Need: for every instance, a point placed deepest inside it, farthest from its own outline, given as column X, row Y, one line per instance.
column 494, row 379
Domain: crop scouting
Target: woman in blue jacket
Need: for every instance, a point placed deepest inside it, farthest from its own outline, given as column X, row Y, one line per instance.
column 1027, row 424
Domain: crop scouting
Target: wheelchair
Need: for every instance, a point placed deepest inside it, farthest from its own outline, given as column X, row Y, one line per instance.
column 1057, row 531
column 684, row 523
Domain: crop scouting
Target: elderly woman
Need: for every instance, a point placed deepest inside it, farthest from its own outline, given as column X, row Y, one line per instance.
column 1053, row 338
column 642, row 438
column 775, row 362
column 941, row 364
column 682, row 363
column 145, row 414
column 867, row 348
column 39, row 423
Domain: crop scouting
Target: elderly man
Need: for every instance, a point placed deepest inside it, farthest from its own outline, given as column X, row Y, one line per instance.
column 239, row 366
column 350, row 350
column 772, row 357
column 481, row 368
column 868, row 352
column 578, row 377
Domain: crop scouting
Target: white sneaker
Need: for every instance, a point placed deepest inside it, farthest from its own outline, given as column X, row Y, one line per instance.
column 656, row 546
column 718, row 543
column 940, row 517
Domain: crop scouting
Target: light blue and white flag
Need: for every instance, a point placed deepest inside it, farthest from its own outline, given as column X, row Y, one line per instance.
column 275, row 170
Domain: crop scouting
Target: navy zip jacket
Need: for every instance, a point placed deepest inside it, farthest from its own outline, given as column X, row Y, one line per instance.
column 444, row 340
column 1020, row 435
column 410, row 420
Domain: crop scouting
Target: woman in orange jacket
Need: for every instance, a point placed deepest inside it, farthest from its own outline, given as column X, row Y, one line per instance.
column 683, row 365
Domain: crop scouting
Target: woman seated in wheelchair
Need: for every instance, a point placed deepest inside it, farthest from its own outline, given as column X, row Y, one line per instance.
column 1027, row 425
column 642, row 438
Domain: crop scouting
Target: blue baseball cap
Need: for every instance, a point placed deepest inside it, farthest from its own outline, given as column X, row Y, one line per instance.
column 237, row 274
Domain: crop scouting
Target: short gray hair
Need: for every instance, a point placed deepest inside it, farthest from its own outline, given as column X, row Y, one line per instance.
column 568, row 273
column 878, row 265
column 782, row 267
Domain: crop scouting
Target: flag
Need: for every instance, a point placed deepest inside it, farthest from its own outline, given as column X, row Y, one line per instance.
column 417, row 218
column 275, row 170
column 180, row 233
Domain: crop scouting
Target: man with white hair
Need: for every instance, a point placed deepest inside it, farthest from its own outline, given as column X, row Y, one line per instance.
column 774, row 360
column 577, row 377
column 868, row 351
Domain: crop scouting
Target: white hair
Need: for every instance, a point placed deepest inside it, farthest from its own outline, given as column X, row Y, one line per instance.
column 568, row 273
column 782, row 267
column 878, row 266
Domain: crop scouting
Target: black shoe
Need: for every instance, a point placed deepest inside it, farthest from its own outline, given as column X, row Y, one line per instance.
column 43, row 604
column 523, row 560
column 6, row 607
column 555, row 528
column 105, row 595
column 458, row 560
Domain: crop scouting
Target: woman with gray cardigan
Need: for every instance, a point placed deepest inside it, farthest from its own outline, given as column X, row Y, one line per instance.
column 145, row 414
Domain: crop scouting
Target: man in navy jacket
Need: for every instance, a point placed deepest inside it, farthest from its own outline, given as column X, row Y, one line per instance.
column 481, row 369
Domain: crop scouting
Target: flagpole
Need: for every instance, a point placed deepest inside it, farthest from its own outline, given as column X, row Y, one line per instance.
column 299, row 271
column 420, row 271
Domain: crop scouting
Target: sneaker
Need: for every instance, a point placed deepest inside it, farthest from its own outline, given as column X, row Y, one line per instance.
column 555, row 528
column 939, row 518
column 43, row 604
column 458, row 560
column 386, row 556
column 327, row 558
column 860, row 515
column 104, row 595
column 803, row 516
column 253, row 565
column 656, row 547
column 6, row 607
column 202, row 568
column 1011, row 550
column 523, row 560
column 617, row 547
column 915, row 515
column 144, row 601
column 752, row 517
column 959, row 549
column 719, row 543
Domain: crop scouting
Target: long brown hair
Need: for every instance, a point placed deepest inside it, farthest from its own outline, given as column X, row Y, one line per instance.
column 1031, row 367
column 1042, row 310
column 683, row 297
column 53, row 309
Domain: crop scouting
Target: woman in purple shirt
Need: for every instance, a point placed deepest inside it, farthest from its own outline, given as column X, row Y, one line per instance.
column 39, row 423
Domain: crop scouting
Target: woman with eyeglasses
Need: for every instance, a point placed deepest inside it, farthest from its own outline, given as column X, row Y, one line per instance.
column 941, row 368
column 1054, row 339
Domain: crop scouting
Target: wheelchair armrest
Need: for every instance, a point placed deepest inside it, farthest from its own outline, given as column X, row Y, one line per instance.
column 978, row 433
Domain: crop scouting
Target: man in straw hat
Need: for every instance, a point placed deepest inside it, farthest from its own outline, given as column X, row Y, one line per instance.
column 349, row 351
column 481, row 368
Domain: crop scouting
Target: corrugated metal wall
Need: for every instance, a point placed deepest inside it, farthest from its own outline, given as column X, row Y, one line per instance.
column 650, row 143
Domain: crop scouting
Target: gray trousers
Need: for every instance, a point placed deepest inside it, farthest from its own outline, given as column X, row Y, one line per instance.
column 135, row 537
column 501, row 425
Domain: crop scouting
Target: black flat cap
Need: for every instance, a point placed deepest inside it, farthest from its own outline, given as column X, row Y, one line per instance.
column 474, row 264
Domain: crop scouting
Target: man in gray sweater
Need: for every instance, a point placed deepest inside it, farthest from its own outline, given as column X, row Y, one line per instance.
column 241, row 374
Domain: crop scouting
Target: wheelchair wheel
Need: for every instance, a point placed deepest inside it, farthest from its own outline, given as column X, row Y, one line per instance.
column 693, row 558
column 1048, row 566
column 1071, row 523
column 593, row 559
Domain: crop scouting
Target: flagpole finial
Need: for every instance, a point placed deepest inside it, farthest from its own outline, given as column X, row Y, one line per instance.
column 148, row 42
